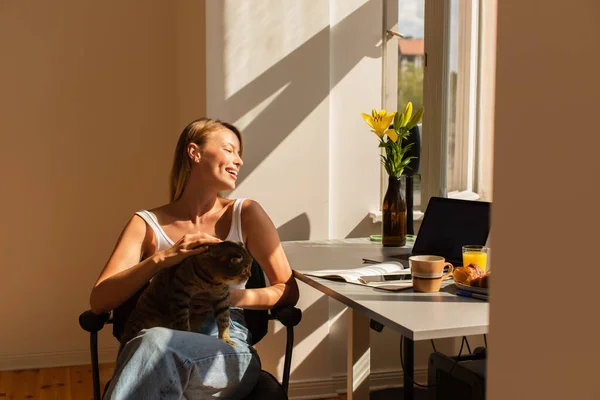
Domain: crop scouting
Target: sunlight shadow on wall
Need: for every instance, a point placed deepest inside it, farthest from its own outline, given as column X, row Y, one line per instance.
column 365, row 228
column 297, row 228
column 304, row 72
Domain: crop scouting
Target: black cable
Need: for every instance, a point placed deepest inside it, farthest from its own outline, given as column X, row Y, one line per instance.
column 468, row 347
column 433, row 344
column 402, row 364
column 485, row 340
column 457, row 357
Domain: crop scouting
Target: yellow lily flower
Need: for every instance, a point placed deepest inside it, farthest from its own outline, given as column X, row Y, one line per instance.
column 380, row 121
column 392, row 135
column 396, row 158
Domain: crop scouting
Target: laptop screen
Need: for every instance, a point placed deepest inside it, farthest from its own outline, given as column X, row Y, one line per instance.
column 449, row 224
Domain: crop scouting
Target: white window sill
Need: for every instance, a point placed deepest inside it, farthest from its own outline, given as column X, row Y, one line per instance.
column 464, row 195
column 376, row 216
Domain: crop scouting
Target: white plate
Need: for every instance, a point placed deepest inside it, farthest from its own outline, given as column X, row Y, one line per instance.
column 473, row 289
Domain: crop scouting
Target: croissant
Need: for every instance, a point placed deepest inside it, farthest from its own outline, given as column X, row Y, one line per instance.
column 466, row 274
column 482, row 282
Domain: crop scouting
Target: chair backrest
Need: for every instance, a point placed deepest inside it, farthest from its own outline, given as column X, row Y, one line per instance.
column 257, row 321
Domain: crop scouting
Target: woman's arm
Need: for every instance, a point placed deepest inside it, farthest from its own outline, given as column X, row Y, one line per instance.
column 124, row 274
column 262, row 241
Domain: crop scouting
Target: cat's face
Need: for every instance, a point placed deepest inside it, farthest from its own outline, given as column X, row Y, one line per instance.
column 225, row 262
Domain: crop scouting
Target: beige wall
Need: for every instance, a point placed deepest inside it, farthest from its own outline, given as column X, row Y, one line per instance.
column 544, row 330
column 93, row 95
column 190, row 61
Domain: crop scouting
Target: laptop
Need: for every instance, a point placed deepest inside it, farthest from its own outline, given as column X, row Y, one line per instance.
column 449, row 224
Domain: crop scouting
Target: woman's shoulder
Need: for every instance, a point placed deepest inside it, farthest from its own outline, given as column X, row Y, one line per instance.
column 162, row 214
column 252, row 211
column 244, row 202
column 248, row 204
column 158, row 215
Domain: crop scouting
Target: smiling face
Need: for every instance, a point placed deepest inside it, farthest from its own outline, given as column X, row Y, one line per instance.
column 218, row 160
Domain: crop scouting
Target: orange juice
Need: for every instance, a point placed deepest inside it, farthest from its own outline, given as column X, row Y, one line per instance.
column 478, row 258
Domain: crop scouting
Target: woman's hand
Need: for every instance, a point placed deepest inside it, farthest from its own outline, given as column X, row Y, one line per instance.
column 189, row 245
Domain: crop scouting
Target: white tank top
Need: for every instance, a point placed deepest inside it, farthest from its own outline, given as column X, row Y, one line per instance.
column 164, row 242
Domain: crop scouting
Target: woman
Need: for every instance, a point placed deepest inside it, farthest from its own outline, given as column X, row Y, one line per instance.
column 163, row 363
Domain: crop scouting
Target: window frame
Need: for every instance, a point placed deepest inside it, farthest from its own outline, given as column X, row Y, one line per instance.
column 473, row 68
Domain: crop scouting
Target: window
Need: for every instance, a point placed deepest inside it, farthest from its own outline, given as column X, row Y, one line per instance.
column 445, row 61
column 411, row 52
column 404, row 63
column 462, row 98
column 411, row 65
column 470, row 99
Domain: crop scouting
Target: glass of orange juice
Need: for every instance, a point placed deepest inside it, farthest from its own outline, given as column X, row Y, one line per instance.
column 473, row 254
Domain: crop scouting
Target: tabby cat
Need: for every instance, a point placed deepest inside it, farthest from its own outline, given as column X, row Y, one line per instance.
column 205, row 278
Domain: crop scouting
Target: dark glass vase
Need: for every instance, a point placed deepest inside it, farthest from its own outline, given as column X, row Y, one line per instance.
column 394, row 214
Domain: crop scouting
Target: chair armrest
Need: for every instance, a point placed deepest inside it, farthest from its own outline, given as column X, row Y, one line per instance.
column 93, row 322
column 288, row 316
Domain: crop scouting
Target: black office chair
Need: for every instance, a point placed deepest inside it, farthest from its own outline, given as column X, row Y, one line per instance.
column 257, row 321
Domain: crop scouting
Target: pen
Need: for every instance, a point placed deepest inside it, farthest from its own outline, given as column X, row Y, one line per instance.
column 464, row 293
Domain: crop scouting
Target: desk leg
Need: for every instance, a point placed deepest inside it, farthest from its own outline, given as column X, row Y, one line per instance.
column 409, row 368
column 359, row 356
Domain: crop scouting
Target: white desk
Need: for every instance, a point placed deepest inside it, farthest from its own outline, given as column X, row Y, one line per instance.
column 417, row 316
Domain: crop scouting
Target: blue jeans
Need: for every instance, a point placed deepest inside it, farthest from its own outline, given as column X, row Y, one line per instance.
column 162, row 363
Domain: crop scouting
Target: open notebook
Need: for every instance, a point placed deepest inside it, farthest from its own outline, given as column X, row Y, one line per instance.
column 359, row 276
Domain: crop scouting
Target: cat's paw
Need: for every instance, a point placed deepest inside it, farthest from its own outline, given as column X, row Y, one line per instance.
column 229, row 341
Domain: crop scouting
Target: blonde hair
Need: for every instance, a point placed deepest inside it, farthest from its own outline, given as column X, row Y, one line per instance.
column 196, row 132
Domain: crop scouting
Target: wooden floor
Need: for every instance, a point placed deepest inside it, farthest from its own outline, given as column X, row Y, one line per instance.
column 61, row 383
